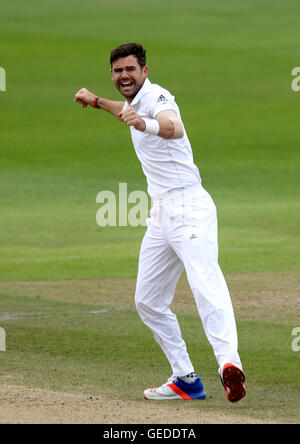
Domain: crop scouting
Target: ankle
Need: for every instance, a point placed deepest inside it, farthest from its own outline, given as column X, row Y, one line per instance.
column 190, row 378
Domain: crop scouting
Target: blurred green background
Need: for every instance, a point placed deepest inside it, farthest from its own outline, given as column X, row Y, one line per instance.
column 228, row 64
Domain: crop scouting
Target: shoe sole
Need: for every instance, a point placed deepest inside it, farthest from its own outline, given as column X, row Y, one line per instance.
column 233, row 379
column 161, row 398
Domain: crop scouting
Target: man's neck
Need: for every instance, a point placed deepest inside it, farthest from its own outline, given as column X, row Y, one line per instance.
column 130, row 99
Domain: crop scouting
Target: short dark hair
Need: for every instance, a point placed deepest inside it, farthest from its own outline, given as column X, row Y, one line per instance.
column 128, row 49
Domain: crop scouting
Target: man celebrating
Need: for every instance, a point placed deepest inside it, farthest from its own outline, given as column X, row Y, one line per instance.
column 182, row 230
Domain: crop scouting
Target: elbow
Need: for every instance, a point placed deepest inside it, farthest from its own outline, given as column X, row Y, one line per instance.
column 178, row 130
column 169, row 132
column 178, row 134
column 171, row 129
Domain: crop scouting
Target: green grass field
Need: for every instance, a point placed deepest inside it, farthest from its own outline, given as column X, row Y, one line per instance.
column 229, row 65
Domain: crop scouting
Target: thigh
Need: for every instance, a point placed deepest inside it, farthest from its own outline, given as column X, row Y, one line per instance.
column 159, row 269
column 195, row 242
column 194, row 232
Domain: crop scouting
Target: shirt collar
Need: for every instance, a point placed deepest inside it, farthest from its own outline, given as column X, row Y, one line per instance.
column 146, row 86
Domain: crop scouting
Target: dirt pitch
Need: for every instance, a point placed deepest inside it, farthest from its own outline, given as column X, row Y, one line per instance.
column 25, row 405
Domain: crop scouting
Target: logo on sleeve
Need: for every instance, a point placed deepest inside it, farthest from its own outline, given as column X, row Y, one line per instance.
column 162, row 99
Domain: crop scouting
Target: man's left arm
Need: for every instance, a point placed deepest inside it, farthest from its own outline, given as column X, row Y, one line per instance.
column 166, row 124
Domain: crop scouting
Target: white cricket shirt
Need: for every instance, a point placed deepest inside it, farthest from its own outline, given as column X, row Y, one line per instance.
column 167, row 164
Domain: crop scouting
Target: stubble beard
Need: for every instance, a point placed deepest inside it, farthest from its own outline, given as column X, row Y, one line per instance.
column 136, row 89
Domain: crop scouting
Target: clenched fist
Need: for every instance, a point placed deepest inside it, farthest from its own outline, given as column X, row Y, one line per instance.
column 85, row 97
column 131, row 118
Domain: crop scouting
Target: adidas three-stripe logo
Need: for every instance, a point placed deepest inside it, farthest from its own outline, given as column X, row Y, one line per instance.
column 162, row 99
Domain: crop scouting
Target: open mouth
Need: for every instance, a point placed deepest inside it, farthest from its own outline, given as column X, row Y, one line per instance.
column 126, row 84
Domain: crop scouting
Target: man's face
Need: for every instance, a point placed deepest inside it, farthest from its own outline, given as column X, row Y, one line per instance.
column 128, row 76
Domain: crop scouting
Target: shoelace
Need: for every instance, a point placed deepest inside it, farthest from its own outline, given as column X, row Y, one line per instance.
column 170, row 380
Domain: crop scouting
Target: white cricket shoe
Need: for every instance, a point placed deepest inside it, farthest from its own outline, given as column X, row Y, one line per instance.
column 176, row 388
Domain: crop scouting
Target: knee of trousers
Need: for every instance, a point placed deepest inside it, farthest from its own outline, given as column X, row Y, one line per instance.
column 142, row 306
column 145, row 307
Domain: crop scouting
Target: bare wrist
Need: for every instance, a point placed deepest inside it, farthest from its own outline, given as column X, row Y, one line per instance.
column 142, row 125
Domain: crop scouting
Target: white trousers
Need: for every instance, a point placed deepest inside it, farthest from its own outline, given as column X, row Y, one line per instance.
column 182, row 233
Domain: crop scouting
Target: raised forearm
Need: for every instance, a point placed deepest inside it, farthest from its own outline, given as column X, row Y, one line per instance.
column 85, row 98
column 111, row 106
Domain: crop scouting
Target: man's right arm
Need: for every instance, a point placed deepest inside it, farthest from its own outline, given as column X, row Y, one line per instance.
column 85, row 98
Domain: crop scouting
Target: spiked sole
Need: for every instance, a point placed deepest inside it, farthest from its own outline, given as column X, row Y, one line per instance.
column 233, row 379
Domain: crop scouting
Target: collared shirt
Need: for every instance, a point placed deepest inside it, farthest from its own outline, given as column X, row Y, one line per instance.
column 167, row 163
